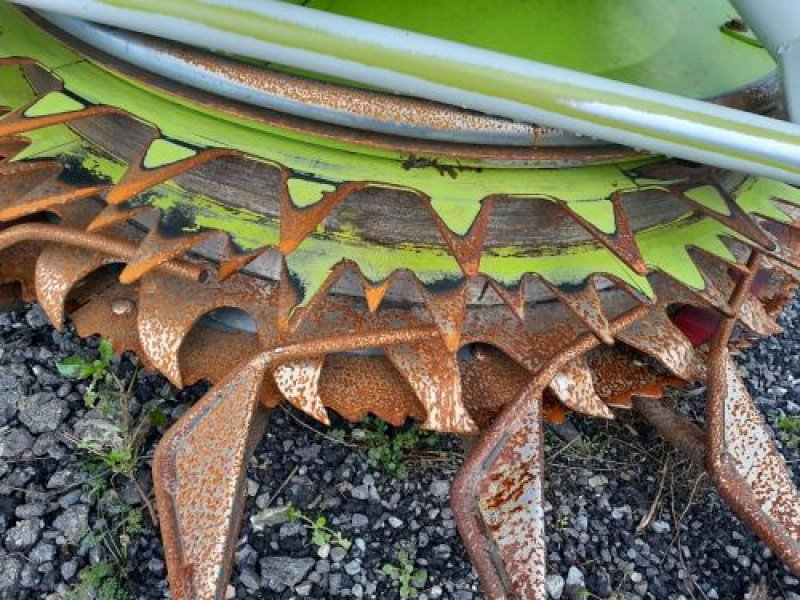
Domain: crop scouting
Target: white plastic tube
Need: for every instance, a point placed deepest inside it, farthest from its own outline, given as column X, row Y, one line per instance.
column 462, row 75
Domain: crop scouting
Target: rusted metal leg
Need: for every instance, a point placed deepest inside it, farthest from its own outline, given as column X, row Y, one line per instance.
column 497, row 494
column 749, row 472
column 674, row 428
column 199, row 474
column 498, row 507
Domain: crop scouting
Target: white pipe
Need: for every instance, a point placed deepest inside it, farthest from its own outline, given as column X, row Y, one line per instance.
column 776, row 23
column 462, row 75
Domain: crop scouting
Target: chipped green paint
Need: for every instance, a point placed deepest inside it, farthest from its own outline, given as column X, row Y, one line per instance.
column 666, row 247
column 599, row 212
column 757, row 197
column 305, row 192
column 248, row 230
column 585, row 190
column 709, row 197
column 54, row 103
column 163, row 152
column 566, row 268
column 312, row 262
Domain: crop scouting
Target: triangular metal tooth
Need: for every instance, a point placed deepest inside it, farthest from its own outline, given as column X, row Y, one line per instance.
column 714, row 272
column 769, row 199
column 111, row 216
column 156, row 249
column 432, row 372
column 585, row 303
column 753, row 315
column 513, row 299
column 792, row 272
column 467, row 249
column 138, row 178
column 58, row 269
column 375, row 293
column 712, row 200
column 10, row 147
column 621, row 241
column 232, row 262
column 47, row 192
column 170, row 306
column 297, row 223
column 574, row 387
column 447, row 309
column 298, row 381
column 656, row 336
column 16, row 123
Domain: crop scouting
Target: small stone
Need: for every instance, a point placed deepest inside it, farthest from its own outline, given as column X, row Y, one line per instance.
column 15, row 442
column 359, row 521
column 156, row 566
column 249, row 579
column 290, row 529
column 575, row 579
column 269, row 517
column 324, row 551
column 42, row 412
column 281, row 572
column 230, row 593
column 23, row 535
column 732, row 551
column 31, row 510
column 353, row 567
column 597, row 481
column 36, row 317
column 660, row 526
column 304, row 589
column 42, row 553
column 10, row 569
column 338, row 554
column 68, row 569
column 554, row 585
column 73, row 522
column 360, row 492
column 440, row 488
column 395, row 522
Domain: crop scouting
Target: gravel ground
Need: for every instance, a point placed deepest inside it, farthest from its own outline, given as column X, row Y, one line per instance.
column 628, row 517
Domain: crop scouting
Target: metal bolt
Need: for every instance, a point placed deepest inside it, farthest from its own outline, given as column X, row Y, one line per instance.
column 122, row 306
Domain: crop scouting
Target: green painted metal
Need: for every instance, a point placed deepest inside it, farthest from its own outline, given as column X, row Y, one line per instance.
column 191, row 126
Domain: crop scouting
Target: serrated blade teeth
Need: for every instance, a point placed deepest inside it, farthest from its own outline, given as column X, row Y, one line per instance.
column 714, row 201
column 298, row 381
column 139, row 178
column 47, row 193
column 585, row 303
column 753, row 315
column 574, row 387
column 30, row 119
column 10, row 147
column 432, row 372
column 655, row 335
column 606, row 221
column 374, row 294
column 58, row 269
column 447, row 310
column 297, row 223
column 156, row 249
column 112, row 215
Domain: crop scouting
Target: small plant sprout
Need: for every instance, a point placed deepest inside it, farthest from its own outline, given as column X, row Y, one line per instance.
column 408, row 580
column 321, row 534
column 790, row 426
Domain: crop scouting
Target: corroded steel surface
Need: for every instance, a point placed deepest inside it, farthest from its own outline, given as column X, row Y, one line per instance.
column 493, row 346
